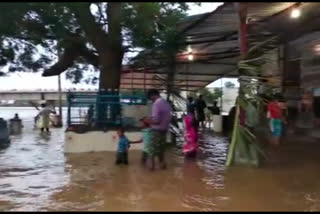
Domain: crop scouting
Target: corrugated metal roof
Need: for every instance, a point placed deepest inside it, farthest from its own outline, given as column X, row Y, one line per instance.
column 290, row 29
column 213, row 37
column 217, row 35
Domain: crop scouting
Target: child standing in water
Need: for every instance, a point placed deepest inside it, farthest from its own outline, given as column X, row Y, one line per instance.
column 123, row 147
column 277, row 120
column 146, row 135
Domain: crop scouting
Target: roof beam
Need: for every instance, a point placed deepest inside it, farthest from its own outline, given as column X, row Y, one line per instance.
column 192, row 25
column 158, row 84
column 232, row 50
column 192, row 74
column 161, row 80
column 223, row 38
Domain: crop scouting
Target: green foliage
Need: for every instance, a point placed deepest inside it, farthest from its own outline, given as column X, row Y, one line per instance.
column 229, row 85
column 151, row 25
column 243, row 147
column 34, row 32
column 207, row 94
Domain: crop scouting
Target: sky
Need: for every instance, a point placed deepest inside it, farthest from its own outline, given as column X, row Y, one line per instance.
column 33, row 81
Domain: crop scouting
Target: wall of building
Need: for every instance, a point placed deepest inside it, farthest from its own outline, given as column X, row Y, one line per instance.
column 272, row 66
column 307, row 50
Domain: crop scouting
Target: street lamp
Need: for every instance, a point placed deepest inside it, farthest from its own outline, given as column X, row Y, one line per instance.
column 317, row 49
column 295, row 13
column 190, row 57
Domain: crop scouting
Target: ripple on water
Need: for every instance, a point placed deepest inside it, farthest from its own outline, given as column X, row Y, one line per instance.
column 199, row 203
column 37, row 176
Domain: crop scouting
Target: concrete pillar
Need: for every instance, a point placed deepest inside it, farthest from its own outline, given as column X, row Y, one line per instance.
column 42, row 96
column 60, row 102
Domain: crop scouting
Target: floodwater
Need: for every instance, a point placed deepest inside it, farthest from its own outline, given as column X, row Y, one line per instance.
column 35, row 175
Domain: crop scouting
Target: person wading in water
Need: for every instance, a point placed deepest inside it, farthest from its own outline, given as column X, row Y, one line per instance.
column 44, row 116
column 160, row 124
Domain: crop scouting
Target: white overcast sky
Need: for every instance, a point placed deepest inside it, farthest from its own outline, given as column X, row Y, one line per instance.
column 30, row 81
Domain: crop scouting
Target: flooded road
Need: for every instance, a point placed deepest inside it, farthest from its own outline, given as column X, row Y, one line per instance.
column 35, row 175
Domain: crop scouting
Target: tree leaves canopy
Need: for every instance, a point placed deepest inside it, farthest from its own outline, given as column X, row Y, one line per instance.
column 33, row 35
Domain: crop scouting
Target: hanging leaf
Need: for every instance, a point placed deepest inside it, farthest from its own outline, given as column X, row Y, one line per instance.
column 244, row 148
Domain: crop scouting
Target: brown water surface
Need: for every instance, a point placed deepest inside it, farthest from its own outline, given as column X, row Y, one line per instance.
column 36, row 175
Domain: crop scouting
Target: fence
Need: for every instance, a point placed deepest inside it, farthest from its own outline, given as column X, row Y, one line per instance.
column 100, row 110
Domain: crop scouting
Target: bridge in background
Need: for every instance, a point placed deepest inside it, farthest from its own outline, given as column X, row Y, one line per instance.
column 40, row 95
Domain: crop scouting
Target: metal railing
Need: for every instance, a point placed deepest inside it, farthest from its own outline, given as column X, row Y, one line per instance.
column 100, row 109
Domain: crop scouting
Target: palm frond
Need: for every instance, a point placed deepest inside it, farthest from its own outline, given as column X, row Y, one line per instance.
column 250, row 68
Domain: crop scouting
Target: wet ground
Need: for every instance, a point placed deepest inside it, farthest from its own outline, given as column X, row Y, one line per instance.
column 36, row 175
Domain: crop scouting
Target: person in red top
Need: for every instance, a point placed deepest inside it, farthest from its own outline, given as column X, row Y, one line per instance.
column 276, row 120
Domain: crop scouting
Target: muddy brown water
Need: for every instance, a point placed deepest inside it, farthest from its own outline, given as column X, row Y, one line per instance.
column 35, row 175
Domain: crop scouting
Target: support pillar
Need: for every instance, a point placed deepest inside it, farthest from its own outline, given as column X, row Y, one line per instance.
column 59, row 124
column 241, row 151
column 241, row 8
column 171, row 77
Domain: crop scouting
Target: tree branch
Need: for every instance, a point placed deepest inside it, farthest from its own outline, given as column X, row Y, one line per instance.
column 74, row 50
column 102, row 19
column 95, row 34
column 65, row 61
column 90, row 57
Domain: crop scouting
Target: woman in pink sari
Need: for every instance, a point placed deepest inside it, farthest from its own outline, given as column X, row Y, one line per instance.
column 190, row 135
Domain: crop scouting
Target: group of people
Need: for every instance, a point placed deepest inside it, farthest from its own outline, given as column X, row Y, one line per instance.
column 306, row 115
column 202, row 113
column 194, row 119
column 154, row 131
column 197, row 109
column 155, row 128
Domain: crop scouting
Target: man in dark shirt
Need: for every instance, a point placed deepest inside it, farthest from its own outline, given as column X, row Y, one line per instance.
column 200, row 106
column 190, row 105
column 215, row 110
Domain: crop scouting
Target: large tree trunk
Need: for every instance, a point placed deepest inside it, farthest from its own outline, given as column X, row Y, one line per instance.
column 111, row 59
column 108, row 45
column 109, row 48
column 109, row 84
column 110, row 70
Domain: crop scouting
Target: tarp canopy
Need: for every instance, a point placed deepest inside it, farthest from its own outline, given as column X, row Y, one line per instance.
column 213, row 39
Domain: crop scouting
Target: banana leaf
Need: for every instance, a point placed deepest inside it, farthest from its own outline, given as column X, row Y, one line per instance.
column 242, row 103
column 233, row 138
column 245, row 153
column 244, row 148
column 259, row 49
